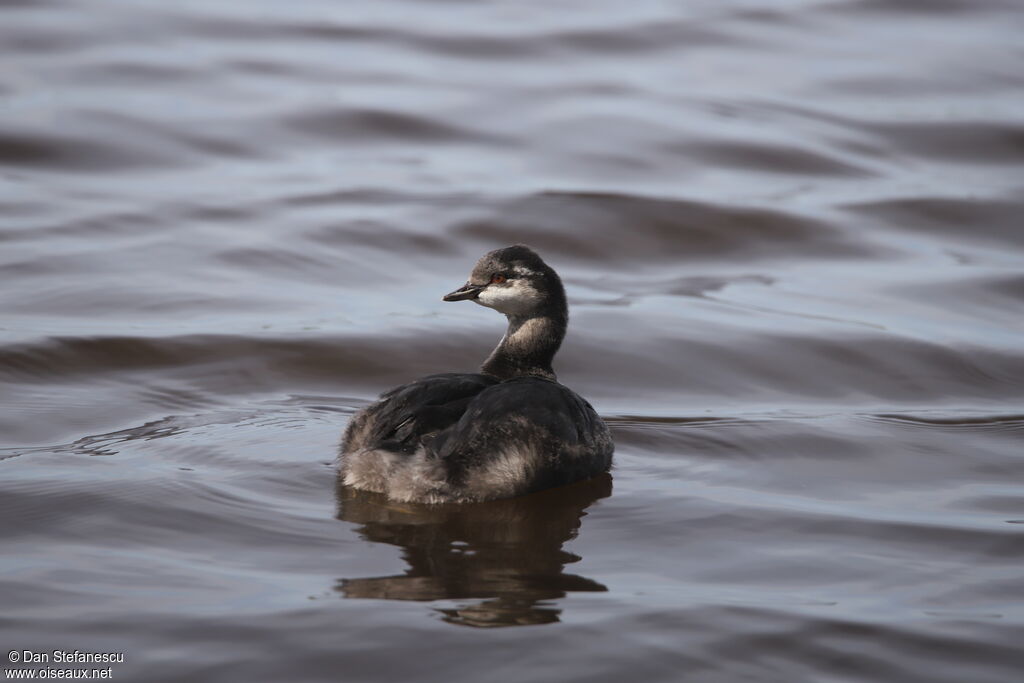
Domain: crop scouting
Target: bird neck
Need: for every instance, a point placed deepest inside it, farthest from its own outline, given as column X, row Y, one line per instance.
column 528, row 347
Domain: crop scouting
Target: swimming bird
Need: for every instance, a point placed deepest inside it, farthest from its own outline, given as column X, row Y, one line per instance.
column 508, row 430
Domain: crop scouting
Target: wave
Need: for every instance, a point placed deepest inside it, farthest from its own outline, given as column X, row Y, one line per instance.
column 880, row 368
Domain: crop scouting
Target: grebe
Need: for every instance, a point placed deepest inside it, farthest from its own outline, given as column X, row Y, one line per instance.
column 508, row 430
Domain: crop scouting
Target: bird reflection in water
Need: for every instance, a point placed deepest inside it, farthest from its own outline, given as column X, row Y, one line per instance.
column 507, row 553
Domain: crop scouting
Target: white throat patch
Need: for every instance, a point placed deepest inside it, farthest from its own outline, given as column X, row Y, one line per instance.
column 517, row 297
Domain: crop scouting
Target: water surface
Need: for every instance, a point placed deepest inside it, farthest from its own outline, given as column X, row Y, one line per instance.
column 791, row 237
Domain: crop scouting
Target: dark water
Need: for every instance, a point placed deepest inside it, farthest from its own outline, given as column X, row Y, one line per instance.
column 793, row 240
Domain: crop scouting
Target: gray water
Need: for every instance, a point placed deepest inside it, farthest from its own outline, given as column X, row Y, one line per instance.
column 791, row 237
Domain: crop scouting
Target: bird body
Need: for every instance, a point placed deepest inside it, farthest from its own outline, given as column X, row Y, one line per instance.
column 508, row 430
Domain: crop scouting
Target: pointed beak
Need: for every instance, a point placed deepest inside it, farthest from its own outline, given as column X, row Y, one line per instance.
column 466, row 291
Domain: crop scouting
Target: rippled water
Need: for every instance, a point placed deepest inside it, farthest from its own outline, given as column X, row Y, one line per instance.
column 792, row 238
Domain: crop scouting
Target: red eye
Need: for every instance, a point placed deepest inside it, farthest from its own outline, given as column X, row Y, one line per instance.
column 497, row 279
